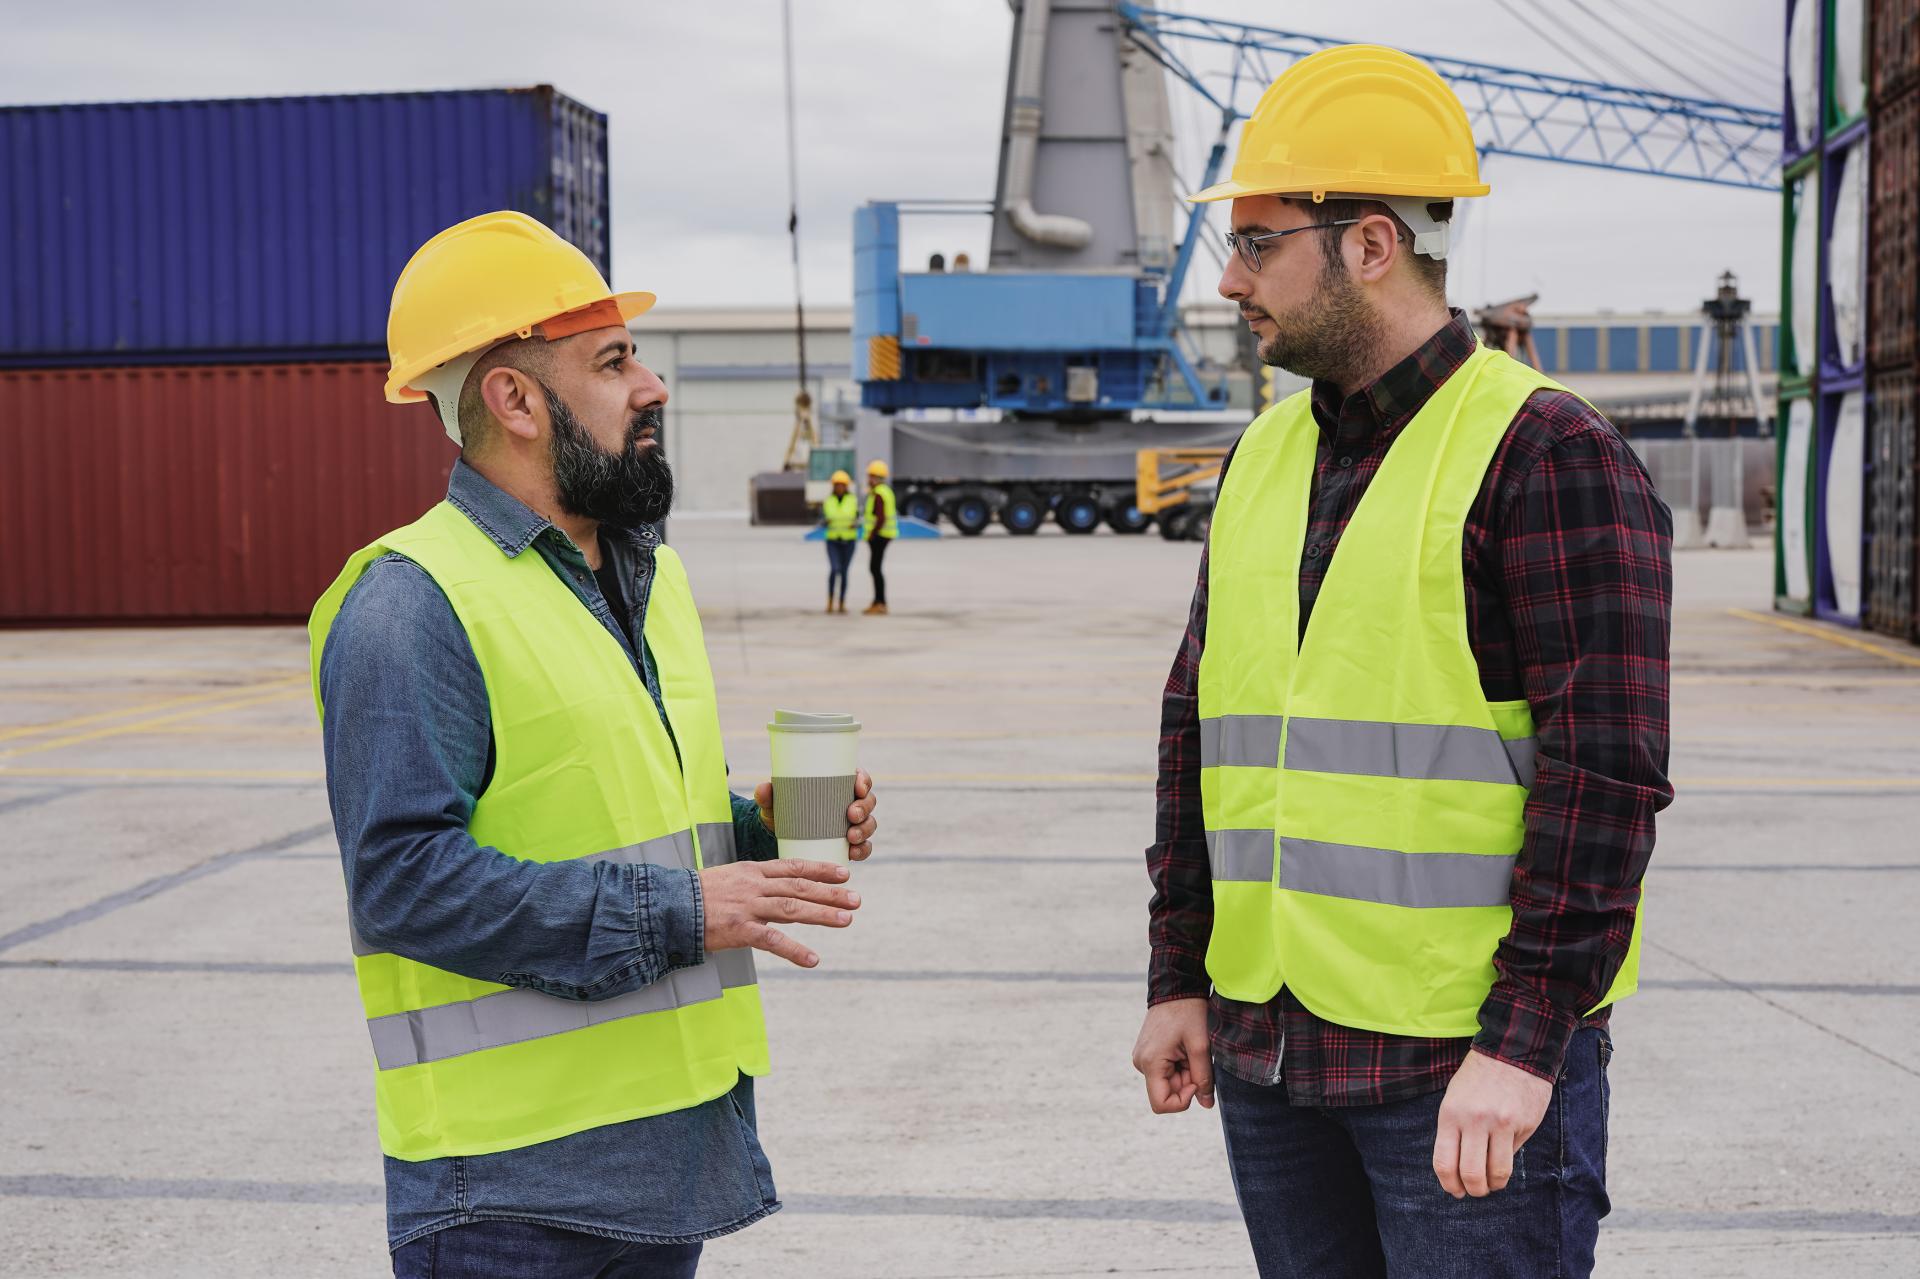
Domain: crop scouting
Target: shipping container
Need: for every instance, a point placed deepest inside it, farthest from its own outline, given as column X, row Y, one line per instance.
column 264, row 228
column 1801, row 118
column 1846, row 67
column 1800, row 273
column 1793, row 540
column 1893, row 33
column 1843, row 250
column 201, row 493
column 1840, row 493
column 1893, row 553
column 1893, row 237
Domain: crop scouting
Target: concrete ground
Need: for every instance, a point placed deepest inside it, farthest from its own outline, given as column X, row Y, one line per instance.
column 187, row 1081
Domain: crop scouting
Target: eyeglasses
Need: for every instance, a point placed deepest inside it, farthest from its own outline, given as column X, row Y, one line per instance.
column 1248, row 246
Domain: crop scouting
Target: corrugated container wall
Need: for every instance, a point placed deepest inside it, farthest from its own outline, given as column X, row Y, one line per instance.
column 205, row 493
column 268, row 228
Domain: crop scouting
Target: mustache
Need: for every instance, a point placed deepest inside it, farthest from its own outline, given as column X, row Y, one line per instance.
column 651, row 418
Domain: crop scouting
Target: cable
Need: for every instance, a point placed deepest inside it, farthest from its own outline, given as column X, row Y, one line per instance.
column 1759, row 86
column 1771, row 68
column 1607, row 23
column 1623, row 72
column 1576, row 59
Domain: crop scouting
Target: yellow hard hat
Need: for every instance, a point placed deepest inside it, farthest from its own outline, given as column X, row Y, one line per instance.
column 1359, row 119
column 877, row 467
column 490, row 278
column 841, row 477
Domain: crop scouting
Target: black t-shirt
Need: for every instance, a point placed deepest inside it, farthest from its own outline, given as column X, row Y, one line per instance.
column 608, row 575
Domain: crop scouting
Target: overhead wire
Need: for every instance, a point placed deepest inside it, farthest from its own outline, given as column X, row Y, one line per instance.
column 1608, row 24
column 1623, row 72
column 1576, row 59
column 1745, row 82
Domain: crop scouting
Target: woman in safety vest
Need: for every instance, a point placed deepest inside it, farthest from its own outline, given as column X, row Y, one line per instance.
column 841, row 512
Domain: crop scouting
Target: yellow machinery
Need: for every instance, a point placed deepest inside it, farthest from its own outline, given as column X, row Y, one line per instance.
column 1176, row 486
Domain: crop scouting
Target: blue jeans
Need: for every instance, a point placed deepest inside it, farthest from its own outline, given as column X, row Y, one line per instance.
column 839, row 560
column 1349, row 1192
column 522, row 1250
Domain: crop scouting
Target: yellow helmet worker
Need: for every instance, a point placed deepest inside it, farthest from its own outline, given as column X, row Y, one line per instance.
column 1360, row 120
column 1421, row 717
column 483, row 282
column 883, row 526
column 553, row 894
column 840, row 511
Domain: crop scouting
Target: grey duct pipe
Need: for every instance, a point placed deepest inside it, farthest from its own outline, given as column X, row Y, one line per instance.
column 1023, row 139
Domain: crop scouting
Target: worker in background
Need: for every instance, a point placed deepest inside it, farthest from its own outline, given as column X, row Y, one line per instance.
column 1414, row 741
column 883, row 525
column 553, row 895
column 840, row 512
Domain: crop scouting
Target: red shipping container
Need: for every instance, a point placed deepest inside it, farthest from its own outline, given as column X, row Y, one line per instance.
column 207, row 493
column 1893, row 44
column 1893, row 505
column 1893, row 235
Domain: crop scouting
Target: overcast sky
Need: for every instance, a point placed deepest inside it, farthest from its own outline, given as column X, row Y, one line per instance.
column 903, row 97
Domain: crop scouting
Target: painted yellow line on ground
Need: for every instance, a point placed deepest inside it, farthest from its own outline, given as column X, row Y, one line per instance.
column 77, row 721
column 281, row 692
column 1828, row 634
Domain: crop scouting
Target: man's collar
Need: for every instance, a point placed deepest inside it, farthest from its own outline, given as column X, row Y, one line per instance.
column 1391, row 400
column 511, row 523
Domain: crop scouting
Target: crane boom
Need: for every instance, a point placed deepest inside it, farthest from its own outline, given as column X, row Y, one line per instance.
column 1531, row 114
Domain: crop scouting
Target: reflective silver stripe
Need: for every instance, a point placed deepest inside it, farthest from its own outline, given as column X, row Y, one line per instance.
column 1521, row 750
column 716, row 843
column 735, row 967
column 1241, row 856
column 1418, row 880
column 1433, row 752
column 1241, row 741
column 675, row 850
column 515, row 1016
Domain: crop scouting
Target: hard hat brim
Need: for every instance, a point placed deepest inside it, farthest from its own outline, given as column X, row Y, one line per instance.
column 1231, row 190
column 399, row 392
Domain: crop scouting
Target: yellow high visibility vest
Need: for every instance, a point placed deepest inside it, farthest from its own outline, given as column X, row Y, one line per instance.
column 889, row 510
column 842, row 516
column 1363, row 799
column 583, row 769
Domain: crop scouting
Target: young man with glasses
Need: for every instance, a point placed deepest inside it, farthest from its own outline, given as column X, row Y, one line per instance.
column 1414, row 740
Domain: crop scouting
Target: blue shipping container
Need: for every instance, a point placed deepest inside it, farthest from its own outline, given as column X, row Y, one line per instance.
column 264, row 228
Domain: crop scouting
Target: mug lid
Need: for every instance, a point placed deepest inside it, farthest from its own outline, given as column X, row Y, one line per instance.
column 813, row 722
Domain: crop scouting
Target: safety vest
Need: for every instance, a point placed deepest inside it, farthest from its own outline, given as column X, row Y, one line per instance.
column 584, row 769
column 889, row 510
column 1363, row 799
column 842, row 514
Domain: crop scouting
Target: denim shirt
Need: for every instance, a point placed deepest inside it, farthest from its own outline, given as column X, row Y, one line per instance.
column 409, row 749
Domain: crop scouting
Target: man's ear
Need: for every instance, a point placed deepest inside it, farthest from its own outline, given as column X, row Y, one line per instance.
column 510, row 396
column 1378, row 240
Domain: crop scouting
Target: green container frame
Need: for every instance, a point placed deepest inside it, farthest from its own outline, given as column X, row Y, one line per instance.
column 1786, row 351
column 1782, row 602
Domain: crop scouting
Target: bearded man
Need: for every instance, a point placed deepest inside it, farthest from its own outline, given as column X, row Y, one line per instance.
column 553, row 894
column 1413, row 743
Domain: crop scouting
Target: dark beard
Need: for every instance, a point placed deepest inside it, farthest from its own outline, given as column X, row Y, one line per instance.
column 1335, row 334
column 624, row 489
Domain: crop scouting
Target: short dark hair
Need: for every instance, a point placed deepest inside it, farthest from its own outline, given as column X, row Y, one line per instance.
column 1432, row 271
column 528, row 355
